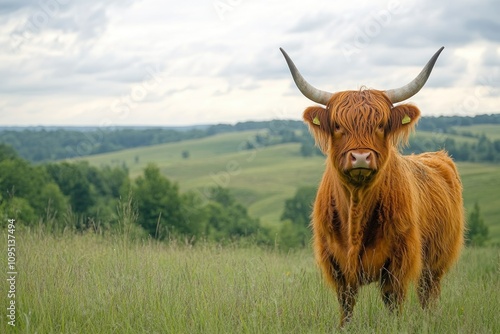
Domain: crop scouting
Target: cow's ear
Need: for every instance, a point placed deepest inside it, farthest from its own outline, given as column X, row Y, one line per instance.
column 402, row 121
column 318, row 120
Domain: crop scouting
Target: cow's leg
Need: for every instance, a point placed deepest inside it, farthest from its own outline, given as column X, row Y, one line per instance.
column 429, row 287
column 395, row 278
column 346, row 295
column 393, row 290
column 400, row 269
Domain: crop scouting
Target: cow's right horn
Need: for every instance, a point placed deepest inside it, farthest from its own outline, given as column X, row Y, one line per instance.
column 307, row 89
column 407, row 91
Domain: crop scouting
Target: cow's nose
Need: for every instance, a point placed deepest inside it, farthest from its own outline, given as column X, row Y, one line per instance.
column 360, row 160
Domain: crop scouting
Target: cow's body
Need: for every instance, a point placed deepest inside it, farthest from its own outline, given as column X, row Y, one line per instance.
column 408, row 228
column 380, row 216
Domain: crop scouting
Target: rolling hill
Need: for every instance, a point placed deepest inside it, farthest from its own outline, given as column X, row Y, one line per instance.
column 492, row 131
column 262, row 178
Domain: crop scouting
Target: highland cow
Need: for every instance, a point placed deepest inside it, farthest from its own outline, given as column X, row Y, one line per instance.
column 380, row 216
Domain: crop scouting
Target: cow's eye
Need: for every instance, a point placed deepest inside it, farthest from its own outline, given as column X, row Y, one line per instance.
column 380, row 127
column 336, row 127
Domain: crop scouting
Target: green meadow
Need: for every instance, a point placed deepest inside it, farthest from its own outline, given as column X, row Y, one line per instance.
column 264, row 177
column 491, row 131
column 93, row 284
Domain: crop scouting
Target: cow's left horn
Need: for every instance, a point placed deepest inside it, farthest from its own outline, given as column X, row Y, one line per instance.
column 307, row 89
column 405, row 92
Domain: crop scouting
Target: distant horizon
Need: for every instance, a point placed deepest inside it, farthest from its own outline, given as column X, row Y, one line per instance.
column 166, row 126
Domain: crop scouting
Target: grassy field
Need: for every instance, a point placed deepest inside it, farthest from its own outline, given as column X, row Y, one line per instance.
column 490, row 130
column 482, row 184
column 264, row 177
column 92, row 284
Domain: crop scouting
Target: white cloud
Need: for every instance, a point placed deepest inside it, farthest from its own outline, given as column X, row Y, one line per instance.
column 176, row 63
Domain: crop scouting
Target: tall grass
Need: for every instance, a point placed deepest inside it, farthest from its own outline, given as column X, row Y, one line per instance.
column 101, row 284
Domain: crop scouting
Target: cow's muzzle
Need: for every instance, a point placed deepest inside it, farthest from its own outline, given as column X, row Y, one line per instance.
column 360, row 165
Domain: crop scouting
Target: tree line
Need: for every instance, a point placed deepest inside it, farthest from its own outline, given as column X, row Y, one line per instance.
column 41, row 145
column 484, row 150
column 79, row 197
column 53, row 143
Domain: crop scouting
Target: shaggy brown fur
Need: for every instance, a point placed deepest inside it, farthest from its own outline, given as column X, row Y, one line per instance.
column 403, row 222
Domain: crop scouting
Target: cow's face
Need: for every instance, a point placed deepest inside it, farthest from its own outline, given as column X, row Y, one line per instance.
column 358, row 131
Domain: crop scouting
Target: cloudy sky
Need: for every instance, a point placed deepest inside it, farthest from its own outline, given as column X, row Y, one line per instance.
column 164, row 62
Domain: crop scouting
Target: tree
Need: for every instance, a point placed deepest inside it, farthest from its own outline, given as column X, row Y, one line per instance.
column 485, row 149
column 477, row 232
column 295, row 230
column 298, row 208
column 222, row 196
column 193, row 212
column 227, row 219
column 449, row 145
column 16, row 208
column 27, row 191
column 73, row 180
column 7, row 152
column 159, row 204
column 306, row 149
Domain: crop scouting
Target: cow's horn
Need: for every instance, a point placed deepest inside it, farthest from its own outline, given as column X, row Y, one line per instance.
column 307, row 89
column 405, row 92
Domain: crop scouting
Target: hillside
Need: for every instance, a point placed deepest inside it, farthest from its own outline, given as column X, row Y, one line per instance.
column 491, row 131
column 49, row 143
column 264, row 177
